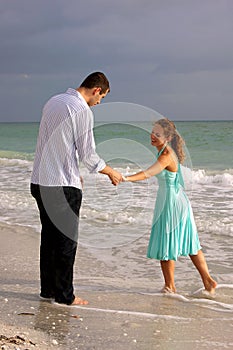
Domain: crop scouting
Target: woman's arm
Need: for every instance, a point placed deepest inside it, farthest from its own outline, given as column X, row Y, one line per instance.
column 154, row 169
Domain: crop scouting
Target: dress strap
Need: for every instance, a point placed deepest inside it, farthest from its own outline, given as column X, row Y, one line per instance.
column 161, row 151
column 179, row 181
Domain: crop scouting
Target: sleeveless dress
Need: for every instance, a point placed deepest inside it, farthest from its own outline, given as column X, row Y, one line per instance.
column 173, row 231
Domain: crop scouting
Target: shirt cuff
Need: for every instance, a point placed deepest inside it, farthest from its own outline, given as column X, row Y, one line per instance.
column 100, row 166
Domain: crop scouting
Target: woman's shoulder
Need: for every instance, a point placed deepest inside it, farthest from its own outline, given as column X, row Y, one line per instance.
column 168, row 153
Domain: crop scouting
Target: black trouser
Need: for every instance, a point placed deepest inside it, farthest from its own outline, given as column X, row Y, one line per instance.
column 59, row 215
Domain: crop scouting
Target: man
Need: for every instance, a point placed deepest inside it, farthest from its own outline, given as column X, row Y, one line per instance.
column 65, row 138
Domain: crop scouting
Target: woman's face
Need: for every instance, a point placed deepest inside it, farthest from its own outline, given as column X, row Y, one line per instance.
column 157, row 136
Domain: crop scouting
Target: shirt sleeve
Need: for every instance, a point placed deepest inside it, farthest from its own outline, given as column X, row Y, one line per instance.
column 85, row 142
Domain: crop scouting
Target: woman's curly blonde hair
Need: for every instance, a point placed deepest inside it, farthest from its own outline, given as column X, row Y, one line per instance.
column 177, row 141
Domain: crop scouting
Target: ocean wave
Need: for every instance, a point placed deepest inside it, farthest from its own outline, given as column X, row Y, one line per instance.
column 14, row 162
column 191, row 176
column 15, row 156
column 224, row 178
column 198, row 176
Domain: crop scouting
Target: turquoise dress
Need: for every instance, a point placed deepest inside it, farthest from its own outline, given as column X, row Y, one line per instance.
column 173, row 231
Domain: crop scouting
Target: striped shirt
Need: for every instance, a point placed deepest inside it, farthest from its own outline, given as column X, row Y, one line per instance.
column 65, row 138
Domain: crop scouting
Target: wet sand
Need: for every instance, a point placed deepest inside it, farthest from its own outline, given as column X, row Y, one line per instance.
column 113, row 320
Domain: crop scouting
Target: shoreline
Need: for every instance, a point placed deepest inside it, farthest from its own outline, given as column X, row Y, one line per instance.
column 115, row 319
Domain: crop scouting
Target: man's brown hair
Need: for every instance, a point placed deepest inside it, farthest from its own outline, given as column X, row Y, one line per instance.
column 96, row 79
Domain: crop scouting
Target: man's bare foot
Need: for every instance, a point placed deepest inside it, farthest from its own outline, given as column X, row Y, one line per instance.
column 210, row 285
column 79, row 301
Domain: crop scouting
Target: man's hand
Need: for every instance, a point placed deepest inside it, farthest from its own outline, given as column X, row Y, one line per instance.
column 113, row 175
column 82, row 181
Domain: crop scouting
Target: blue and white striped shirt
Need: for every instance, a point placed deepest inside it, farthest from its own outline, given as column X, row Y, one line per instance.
column 65, row 138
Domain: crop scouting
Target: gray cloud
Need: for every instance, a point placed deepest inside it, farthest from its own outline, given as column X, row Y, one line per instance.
column 175, row 56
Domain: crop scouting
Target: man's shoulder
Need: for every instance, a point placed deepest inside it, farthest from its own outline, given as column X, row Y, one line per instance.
column 66, row 95
column 70, row 98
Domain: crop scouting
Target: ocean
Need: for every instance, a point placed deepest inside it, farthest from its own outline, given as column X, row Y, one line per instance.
column 115, row 221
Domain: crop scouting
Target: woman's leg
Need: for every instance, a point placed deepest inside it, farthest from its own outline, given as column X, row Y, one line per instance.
column 201, row 265
column 168, row 269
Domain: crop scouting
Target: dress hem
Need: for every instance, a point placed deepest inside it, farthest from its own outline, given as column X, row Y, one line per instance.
column 173, row 258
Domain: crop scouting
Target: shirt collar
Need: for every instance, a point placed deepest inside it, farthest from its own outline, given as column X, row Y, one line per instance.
column 74, row 92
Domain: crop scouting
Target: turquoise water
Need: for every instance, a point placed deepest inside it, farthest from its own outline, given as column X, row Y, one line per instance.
column 208, row 173
column 115, row 222
column 209, row 143
column 18, row 140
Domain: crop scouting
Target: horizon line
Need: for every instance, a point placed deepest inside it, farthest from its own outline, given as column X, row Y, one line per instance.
column 132, row 121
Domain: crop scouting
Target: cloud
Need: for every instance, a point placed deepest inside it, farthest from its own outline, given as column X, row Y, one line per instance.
column 166, row 55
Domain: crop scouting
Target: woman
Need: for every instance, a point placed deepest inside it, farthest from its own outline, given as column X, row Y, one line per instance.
column 173, row 232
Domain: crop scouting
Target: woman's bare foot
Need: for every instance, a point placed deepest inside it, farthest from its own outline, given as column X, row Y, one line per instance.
column 79, row 301
column 210, row 285
column 168, row 290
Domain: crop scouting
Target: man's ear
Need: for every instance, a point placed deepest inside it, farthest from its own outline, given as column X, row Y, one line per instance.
column 96, row 90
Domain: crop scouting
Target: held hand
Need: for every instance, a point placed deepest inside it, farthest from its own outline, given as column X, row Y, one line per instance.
column 115, row 177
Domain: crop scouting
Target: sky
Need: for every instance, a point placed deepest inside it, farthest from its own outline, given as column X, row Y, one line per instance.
column 172, row 56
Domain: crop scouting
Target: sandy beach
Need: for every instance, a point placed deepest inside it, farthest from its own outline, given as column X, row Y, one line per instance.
column 113, row 320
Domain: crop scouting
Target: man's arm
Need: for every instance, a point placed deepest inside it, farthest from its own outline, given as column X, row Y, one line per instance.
column 86, row 150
